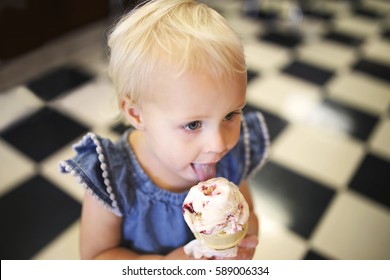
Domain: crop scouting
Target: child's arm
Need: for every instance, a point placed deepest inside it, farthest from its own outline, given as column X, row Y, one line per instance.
column 253, row 228
column 100, row 235
column 248, row 245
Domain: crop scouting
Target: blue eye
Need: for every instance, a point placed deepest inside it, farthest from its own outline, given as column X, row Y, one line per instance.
column 193, row 125
column 231, row 115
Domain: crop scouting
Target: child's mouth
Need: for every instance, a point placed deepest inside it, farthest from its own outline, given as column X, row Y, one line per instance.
column 204, row 171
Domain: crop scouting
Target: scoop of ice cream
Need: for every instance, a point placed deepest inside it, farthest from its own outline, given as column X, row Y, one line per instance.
column 215, row 207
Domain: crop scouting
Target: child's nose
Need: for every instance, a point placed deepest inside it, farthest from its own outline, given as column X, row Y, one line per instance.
column 217, row 142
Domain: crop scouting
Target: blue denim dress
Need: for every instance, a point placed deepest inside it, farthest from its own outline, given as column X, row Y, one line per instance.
column 152, row 217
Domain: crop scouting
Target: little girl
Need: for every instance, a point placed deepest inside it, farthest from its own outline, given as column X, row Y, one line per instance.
column 180, row 75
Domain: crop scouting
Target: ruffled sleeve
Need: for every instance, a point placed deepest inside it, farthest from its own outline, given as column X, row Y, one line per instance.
column 90, row 168
column 250, row 153
column 256, row 142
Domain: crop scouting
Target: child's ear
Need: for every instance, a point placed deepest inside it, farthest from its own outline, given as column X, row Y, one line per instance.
column 132, row 112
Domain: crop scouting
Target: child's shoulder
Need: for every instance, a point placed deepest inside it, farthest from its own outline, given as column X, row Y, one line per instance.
column 96, row 166
column 93, row 150
column 255, row 121
column 255, row 140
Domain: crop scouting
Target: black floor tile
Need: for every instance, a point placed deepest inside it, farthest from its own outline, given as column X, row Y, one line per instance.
column 32, row 215
column 301, row 201
column 288, row 40
column 373, row 68
column 251, row 75
column 263, row 15
column 267, row 15
column 372, row 179
column 343, row 38
column 321, row 15
column 368, row 13
column 120, row 128
column 307, row 72
column 312, row 255
column 340, row 117
column 275, row 124
column 56, row 82
column 386, row 34
column 43, row 133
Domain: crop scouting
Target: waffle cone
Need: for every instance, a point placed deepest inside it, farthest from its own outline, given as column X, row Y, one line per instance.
column 222, row 241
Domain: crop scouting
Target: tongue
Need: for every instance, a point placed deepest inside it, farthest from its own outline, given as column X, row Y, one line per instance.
column 204, row 171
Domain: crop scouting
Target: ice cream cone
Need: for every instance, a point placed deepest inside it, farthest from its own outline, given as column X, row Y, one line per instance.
column 222, row 241
column 217, row 213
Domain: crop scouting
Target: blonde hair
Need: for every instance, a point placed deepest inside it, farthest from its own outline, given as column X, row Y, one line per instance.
column 188, row 34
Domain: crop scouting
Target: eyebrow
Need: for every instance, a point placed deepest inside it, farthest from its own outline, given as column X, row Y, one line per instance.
column 242, row 106
column 239, row 108
column 199, row 117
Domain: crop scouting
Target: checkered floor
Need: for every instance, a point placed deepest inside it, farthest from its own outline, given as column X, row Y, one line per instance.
column 323, row 84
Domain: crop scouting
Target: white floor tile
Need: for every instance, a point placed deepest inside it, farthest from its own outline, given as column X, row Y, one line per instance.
column 327, row 54
column 264, row 57
column 228, row 7
column 378, row 5
column 17, row 103
column 88, row 49
column 312, row 30
column 338, row 8
column 354, row 228
column 269, row 5
column 64, row 247
column 14, row 167
column 284, row 96
column 247, row 29
column 380, row 139
column 362, row 92
column 377, row 49
column 359, row 26
column 105, row 132
column 94, row 104
column 93, row 59
column 328, row 157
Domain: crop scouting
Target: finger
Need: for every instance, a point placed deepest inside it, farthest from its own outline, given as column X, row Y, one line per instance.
column 250, row 241
column 245, row 254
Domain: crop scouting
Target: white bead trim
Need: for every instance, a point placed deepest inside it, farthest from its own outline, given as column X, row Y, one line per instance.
column 247, row 148
column 66, row 168
column 103, row 166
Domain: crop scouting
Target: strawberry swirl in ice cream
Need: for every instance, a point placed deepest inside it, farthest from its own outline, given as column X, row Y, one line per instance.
column 216, row 212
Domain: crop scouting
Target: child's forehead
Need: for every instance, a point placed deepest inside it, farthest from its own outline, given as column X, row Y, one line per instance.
column 169, row 76
column 220, row 56
column 195, row 89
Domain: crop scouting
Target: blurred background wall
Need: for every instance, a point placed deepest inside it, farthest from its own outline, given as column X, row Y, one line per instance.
column 28, row 24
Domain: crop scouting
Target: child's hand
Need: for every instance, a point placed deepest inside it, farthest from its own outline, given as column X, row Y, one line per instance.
column 178, row 254
column 246, row 249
